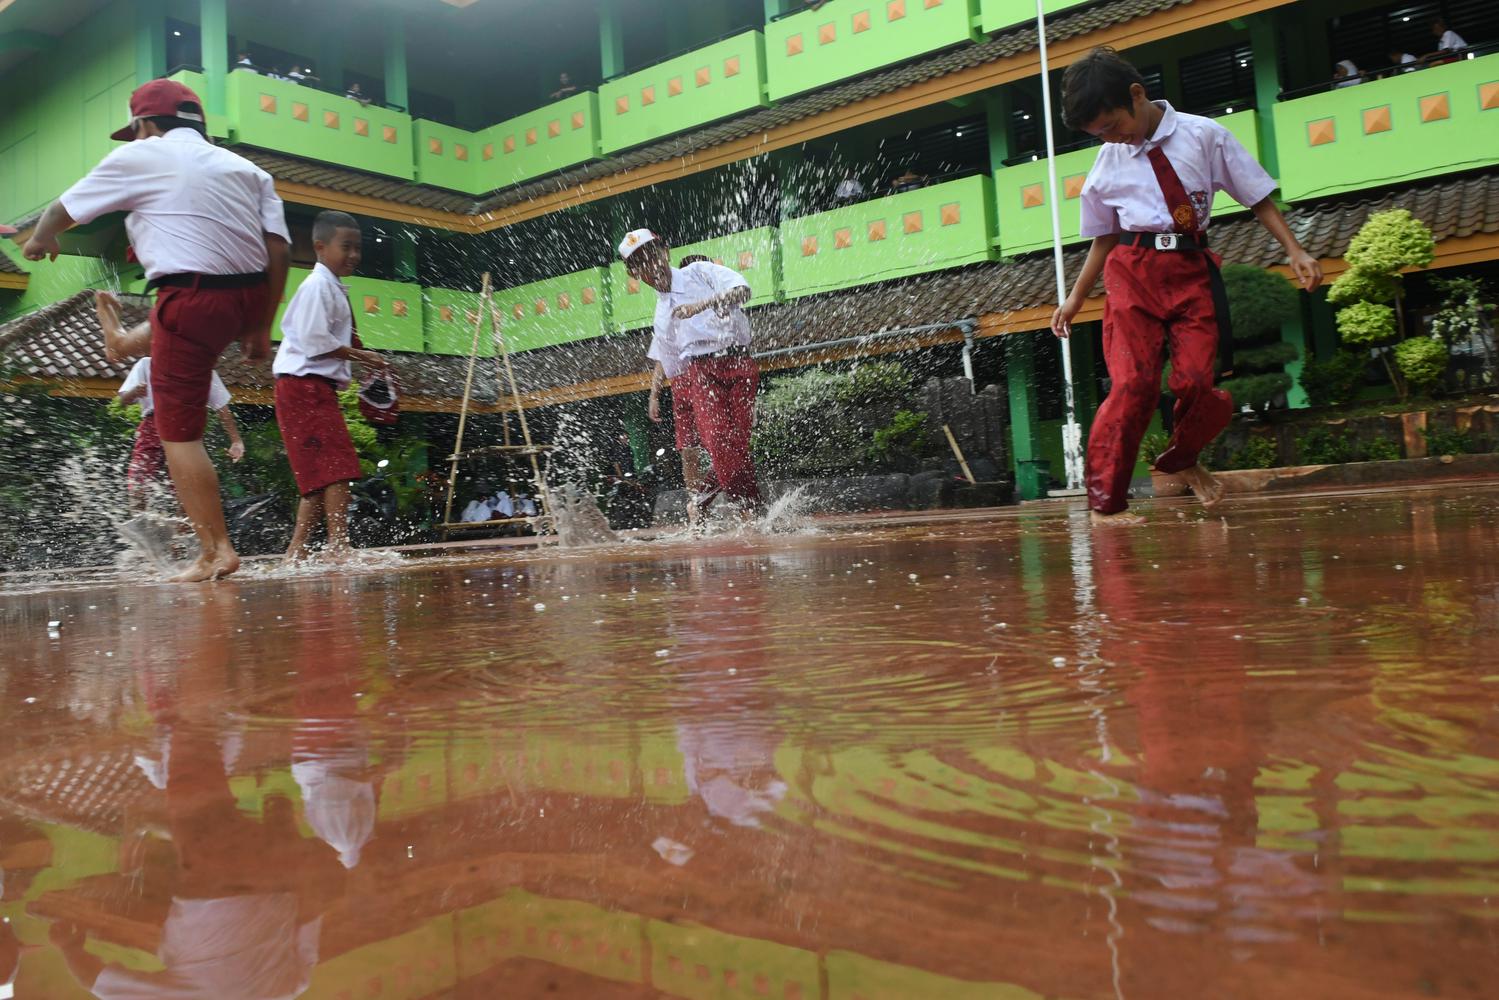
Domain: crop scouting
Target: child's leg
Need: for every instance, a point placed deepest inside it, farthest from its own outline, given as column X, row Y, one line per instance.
column 1132, row 338
column 336, row 510
column 309, row 512
column 120, row 344
column 692, row 476
column 1201, row 411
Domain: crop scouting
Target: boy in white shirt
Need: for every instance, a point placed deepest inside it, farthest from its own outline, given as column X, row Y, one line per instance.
column 669, row 367
column 700, row 318
column 1147, row 204
column 312, row 365
column 148, row 460
column 1448, row 41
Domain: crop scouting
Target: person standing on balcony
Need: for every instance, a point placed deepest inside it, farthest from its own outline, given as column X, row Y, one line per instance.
column 1402, row 61
column 210, row 231
column 700, row 318
column 1345, row 74
column 1147, row 204
column 849, row 190
column 1449, row 42
column 565, row 88
column 356, row 93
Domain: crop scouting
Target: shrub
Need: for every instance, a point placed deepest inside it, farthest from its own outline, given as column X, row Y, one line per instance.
column 1267, row 356
column 1391, row 241
column 1321, row 446
column 1364, row 323
column 1335, row 381
column 1381, row 450
column 1443, row 442
column 905, row 434
column 1357, row 285
column 1152, row 444
column 1259, row 301
column 1422, row 360
column 873, row 382
column 1257, row 453
column 804, row 424
column 1257, row 391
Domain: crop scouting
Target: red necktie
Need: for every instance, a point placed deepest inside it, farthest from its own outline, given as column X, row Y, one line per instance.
column 1183, row 215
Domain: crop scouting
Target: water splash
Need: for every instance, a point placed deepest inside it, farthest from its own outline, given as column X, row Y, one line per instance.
column 578, row 519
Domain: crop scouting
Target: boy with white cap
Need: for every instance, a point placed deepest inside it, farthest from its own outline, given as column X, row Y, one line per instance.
column 700, row 325
column 210, row 231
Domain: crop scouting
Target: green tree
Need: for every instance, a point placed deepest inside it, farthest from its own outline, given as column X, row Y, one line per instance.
column 1260, row 302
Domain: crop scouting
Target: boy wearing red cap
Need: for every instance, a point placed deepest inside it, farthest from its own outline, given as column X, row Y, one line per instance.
column 700, row 324
column 1147, row 204
column 312, row 364
column 210, row 231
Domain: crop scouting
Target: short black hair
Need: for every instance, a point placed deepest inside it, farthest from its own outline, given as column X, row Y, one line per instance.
column 695, row 258
column 168, row 122
column 1100, row 81
column 328, row 223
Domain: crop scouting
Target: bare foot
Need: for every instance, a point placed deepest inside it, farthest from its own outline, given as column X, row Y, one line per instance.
column 107, row 308
column 1205, row 486
column 296, row 556
column 1123, row 519
column 209, row 566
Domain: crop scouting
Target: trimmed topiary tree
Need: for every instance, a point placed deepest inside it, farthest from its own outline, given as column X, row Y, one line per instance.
column 1422, row 360
column 1371, row 291
column 1260, row 302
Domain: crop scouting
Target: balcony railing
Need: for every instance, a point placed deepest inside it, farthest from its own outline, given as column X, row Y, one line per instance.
column 1021, row 191
column 844, row 38
column 1418, row 124
column 752, row 253
column 929, row 229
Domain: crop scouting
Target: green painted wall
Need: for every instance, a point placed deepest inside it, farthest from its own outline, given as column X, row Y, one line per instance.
column 446, row 157
column 710, row 83
column 1432, row 121
column 844, row 38
column 63, row 105
column 53, row 281
column 388, row 314
column 752, row 253
column 1021, row 191
column 938, row 227
column 280, row 115
column 218, row 125
column 448, row 318
column 555, row 311
column 539, row 142
column 995, row 15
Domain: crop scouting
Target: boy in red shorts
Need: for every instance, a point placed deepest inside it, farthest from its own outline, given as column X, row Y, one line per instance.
column 147, row 459
column 1147, row 204
column 669, row 367
column 210, row 231
column 700, row 316
column 312, row 365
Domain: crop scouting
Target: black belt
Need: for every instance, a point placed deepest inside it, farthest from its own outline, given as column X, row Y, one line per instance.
column 189, row 280
column 728, row 352
column 1179, row 242
column 1187, row 243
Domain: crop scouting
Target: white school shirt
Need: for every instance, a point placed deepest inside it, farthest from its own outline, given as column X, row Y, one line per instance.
column 194, row 208
column 1405, row 60
column 1122, row 193
column 140, row 375
column 707, row 332
column 848, row 188
column 1451, row 41
column 318, row 320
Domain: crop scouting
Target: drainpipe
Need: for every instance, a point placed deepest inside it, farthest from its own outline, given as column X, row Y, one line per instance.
column 968, row 326
column 968, row 359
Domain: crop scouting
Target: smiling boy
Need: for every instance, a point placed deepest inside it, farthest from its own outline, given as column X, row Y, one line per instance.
column 1147, row 204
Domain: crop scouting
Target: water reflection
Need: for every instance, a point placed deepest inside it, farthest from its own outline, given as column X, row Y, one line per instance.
column 1244, row 758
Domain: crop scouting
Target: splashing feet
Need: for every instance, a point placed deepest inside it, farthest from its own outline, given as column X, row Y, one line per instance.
column 208, row 566
column 1123, row 519
column 1205, row 486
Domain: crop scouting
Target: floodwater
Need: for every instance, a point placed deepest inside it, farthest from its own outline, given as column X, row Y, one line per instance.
column 954, row 757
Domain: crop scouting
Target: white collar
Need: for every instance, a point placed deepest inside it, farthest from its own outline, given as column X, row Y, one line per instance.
column 1163, row 129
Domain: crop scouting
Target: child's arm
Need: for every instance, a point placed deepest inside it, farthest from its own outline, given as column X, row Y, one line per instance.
column 360, row 355
column 724, row 302
column 129, row 396
column 236, row 443
column 1303, row 264
column 657, row 377
column 1061, row 320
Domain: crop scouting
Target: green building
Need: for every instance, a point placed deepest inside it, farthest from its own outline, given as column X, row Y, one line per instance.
column 447, row 127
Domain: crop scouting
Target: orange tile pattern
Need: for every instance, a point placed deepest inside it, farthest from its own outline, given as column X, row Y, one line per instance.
column 361, row 126
column 647, row 96
column 331, row 119
column 861, row 22
column 877, row 231
column 895, row 10
column 911, row 222
column 1435, row 108
column 1488, row 95
column 398, row 307
column 952, row 214
column 1377, row 120
column 371, row 305
column 809, row 246
column 1321, row 132
column 794, row 45
column 268, row 104
column 843, row 239
column 731, row 67
column 674, row 87
column 388, row 133
column 1032, row 196
column 1072, row 187
column 460, row 151
column 827, row 34
column 299, row 111
column 704, row 76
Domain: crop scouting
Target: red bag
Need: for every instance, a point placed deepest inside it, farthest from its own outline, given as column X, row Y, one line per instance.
column 379, row 401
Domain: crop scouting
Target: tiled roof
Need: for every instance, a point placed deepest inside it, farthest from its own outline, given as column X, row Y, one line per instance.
column 63, row 341
column 8, row 266
column 1452, row 208
column 295, row 170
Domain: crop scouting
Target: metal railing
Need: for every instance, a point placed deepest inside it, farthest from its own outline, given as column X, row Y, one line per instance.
column 1387, row 72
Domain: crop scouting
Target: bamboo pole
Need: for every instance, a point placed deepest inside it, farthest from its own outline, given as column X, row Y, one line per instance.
column 952, row 441
column 468, row 388
column 542, row 493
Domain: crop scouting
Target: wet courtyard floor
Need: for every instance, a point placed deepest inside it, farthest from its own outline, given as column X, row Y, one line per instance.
column 984, row 756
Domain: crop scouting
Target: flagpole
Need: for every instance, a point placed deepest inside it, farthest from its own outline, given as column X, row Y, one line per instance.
column 1072, row 432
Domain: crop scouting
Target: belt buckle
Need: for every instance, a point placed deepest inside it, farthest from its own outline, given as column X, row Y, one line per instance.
column 1165, row 241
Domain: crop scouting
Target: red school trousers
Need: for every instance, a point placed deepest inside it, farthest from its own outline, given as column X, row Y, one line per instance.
column 190, row 328
column 1155, row 298
column 723, row 400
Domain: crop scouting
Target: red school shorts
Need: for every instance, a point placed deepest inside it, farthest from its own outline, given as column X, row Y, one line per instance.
column 683, row 417
column 148, row 461
column 317, row 439
column 190, row 328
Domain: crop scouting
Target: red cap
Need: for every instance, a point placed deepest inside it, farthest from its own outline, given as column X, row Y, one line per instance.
column 7, row 230
column 159, row 98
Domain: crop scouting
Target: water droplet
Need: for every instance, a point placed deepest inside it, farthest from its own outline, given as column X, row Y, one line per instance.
column 31, row 700
column 910, row 576
column 540, row 606
column 1302, row 600
column 733, row 671
column 660, row 653
column 1399, row 566
column 1059, row 661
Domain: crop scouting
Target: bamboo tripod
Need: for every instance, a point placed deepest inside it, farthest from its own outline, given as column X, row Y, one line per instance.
column 531, row 450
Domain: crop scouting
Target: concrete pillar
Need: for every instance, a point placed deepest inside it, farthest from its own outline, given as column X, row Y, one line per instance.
column 1267, row 84
column 1031, row 473
column 213, row 17
column 998, row 107
column 150, row 39
column 611, row 40
column 772, row 10
column 330, row 58
column 396, row 89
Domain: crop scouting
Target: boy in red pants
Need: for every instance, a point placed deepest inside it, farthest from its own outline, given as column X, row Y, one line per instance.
column 312, row 365
column 1147, row 205
column 700, row 318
